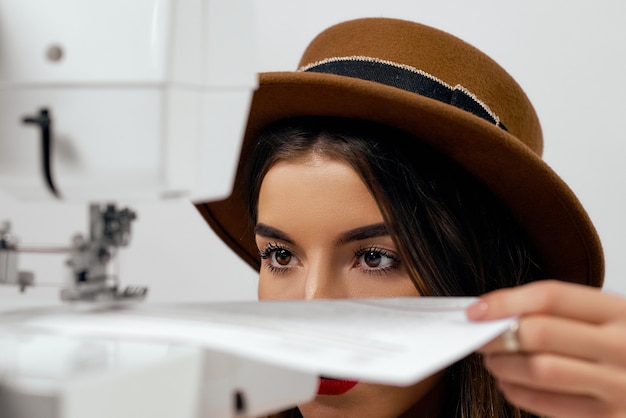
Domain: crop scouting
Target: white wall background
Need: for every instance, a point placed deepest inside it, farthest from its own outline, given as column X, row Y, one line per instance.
column 570, row 57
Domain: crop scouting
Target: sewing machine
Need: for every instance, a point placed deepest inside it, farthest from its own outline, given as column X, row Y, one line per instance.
column 118, row 101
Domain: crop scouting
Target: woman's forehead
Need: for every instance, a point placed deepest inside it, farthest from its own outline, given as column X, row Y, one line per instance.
column 320, row 192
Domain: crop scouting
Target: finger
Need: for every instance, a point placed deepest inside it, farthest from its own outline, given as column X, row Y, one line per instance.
column 557, row 374
column 544, row 334
column 548, row 334
column 555, row 405
column 551, row 297
column 552, row 335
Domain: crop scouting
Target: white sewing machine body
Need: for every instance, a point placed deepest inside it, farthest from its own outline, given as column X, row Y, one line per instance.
column 45, row 375
column 148, row 99
column 117, row 101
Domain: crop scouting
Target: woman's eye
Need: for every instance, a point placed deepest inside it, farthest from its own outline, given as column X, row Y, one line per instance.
column 376, row 260
column 277, row 257
column 282, row 257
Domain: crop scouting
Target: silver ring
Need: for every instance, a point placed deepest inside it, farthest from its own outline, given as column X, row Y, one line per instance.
column 510, row 338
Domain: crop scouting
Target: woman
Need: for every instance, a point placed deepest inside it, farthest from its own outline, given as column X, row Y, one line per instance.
column 400, row 161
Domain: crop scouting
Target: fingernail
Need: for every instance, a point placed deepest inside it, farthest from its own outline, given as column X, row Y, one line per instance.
column 477, row 310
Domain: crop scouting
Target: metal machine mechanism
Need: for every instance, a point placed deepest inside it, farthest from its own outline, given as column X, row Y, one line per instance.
column 90, row 258
column 109, row 230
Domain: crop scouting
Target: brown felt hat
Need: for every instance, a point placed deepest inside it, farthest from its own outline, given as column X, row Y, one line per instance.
column 446, row 93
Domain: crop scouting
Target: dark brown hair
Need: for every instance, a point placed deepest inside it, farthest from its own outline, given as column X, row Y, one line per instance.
column 454, row 237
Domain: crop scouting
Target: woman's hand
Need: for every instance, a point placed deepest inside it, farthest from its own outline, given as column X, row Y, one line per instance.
column 572, row 357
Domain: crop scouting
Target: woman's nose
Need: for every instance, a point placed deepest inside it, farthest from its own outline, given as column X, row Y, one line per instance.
column 323, row 282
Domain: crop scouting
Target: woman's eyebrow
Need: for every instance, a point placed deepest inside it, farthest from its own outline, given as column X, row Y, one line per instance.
column 357, row 234
column 267, row 231
column 363, row 232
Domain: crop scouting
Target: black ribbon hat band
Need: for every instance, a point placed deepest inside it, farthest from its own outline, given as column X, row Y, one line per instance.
column 406, row 78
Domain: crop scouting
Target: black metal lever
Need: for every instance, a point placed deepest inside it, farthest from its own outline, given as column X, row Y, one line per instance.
column 44, row 122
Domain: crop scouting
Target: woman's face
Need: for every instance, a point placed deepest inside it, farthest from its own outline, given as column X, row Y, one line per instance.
column 321, row 235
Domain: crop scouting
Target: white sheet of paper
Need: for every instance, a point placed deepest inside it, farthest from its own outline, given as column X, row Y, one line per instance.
column 393, row 340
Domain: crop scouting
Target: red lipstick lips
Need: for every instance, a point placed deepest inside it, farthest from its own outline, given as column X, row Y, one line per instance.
column 334, row 386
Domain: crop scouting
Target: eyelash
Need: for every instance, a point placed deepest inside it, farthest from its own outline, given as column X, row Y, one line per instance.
column 268, row 249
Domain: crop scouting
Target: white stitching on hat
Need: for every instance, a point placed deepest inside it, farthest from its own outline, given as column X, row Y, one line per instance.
column 480, row 102
column 404, row 67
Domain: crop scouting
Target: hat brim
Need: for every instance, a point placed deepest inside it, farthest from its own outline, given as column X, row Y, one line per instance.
column 545, row 207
